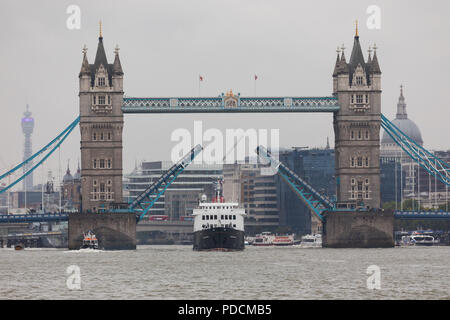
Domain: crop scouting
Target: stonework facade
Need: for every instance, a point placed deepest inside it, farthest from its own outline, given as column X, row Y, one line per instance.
column 357, row 86
column 101, row 125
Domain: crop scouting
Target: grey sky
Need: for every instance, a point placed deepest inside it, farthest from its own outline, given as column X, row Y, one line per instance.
column 166, row 44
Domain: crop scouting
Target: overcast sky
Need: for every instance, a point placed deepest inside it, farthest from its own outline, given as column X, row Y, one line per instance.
column 166, row 44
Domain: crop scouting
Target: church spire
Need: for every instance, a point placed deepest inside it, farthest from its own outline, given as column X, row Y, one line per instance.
column 401, row 106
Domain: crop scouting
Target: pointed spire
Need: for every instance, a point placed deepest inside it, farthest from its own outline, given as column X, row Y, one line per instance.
column 357, row 56
column 85, row 70
column 343, row 66
column 117, row 67
column 337, row 64
column 374, row 66
column 100, row 57
column 67, row 177
column 401, row 106
column 343, row 52
column 68, row 167
column 77, row 175
column 369, row 58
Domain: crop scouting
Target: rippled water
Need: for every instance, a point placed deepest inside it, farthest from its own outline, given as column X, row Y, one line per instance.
column 177, row 272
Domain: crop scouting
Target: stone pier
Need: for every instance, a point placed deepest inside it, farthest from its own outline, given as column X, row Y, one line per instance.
column 359, row 229
column 114, row 231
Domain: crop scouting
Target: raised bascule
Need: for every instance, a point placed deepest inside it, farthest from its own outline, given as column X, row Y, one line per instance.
column 354, row 220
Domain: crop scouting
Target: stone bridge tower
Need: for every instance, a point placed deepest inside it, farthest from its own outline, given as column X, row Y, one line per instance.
column 357, row 86
column 101, row 124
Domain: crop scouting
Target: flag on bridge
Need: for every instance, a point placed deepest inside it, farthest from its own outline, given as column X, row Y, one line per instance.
column 200, row 79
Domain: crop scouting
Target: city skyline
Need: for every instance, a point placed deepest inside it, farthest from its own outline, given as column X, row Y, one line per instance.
column 154, row 65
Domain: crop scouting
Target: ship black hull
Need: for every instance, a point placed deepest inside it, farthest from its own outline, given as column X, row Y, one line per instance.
column 219, row 239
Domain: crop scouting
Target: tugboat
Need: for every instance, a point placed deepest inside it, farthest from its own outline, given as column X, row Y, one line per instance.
column 89, row 241
column 218, row 225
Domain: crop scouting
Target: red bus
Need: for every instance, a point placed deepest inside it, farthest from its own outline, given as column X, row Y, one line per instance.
column 186, row 218
column 156, row 217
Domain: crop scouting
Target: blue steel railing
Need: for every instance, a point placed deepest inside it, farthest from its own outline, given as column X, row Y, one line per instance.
column 34, row 217
column 421, row 215
column 232, row 104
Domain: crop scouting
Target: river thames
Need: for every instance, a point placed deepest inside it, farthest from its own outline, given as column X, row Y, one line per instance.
column 178, row 272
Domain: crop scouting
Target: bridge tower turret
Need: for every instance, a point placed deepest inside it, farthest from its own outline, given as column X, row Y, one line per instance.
column 357, row 85
column 101, row 125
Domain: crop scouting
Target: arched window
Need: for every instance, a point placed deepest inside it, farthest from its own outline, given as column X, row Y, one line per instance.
column 360, row 161
column 359, row 80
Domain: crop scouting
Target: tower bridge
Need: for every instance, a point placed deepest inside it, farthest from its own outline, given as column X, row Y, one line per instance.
column 354, row 220
column 355, row 104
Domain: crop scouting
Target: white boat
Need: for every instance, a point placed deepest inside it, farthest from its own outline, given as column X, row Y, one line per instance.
column 218, row 225
column 286, row 240
column 419, row 239
column 264, row 239
column 311, row 241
